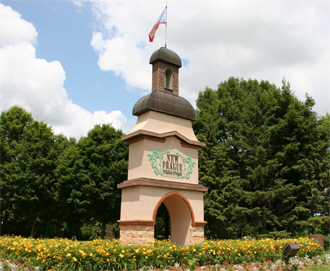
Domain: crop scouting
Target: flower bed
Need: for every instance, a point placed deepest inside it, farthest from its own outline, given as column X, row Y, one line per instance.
column 64, row 254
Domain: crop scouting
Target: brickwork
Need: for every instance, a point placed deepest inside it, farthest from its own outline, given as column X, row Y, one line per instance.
column 158, row 77
column 136, row 234
column 196, row 234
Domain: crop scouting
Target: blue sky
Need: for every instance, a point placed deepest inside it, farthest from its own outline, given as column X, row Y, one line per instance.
column 64, row 34
column 74, row 64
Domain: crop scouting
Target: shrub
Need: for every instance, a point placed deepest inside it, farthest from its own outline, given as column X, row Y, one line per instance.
column 326, row 242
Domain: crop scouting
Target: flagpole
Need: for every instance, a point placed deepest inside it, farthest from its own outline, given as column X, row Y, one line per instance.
column 166, row 25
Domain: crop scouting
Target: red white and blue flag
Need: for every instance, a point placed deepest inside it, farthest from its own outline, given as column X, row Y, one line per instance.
column 161, row 20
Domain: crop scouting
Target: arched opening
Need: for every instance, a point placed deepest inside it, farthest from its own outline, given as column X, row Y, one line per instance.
column 168, row 79
column 181, row 217
column 162, row 227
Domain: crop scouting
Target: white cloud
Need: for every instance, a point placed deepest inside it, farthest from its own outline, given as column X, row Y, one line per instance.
column 117, row 55
column 263, row 40
column 37, row 85
column 121, row 38
column 13, row 29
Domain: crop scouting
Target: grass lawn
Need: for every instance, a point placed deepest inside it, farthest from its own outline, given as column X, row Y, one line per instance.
column 320, row 268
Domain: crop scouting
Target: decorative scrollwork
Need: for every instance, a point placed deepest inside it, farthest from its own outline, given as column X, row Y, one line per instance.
column 172, row 166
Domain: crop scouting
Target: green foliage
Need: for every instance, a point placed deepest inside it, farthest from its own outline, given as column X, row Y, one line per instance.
column 104, row 165
column 88, row 174
column 275, row 235
column 265, row 162
column 162, row 227
column 91, row 231
column 318, row 268
column 327, row 242
column 64, row 254
column 28, row 158
column 51, row 185
column 266, row 167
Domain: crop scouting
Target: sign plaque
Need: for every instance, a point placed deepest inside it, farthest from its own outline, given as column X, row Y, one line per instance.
column 171, row 164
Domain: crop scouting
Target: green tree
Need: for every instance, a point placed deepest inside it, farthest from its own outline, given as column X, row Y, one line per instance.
column 104, row 158
column 27, row 170
column 313, row 166
column 89, row 174
column 68, row 172
column 49, row 183
column 12, row 125
column 256, row 136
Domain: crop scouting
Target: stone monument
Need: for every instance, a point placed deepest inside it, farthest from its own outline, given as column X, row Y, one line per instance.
column 163, row 161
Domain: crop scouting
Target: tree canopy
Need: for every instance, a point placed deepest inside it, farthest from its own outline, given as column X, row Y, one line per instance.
column 50, row 183
column 266, row 159
column 265, row 164
column 89, row 173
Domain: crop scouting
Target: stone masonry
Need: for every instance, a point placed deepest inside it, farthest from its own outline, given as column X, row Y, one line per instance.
column 136, row 234
column 196, row 234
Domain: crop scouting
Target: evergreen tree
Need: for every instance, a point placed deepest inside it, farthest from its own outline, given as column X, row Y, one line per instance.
column 257, row 135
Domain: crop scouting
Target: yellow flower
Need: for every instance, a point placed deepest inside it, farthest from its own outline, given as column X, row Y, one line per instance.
column 74, row 259
column 68, row 255
column 121, row 255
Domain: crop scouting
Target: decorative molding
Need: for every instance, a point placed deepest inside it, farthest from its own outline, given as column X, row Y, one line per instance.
column 199, row 223
column 139, row 133
column 136, row 222
column 185, row 145
column 142, row 137
column 163, row 184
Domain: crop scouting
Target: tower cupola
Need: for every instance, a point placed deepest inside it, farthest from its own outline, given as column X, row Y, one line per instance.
column 165, row 71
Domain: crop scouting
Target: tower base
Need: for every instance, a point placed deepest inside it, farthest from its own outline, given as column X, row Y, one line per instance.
column 136, row 233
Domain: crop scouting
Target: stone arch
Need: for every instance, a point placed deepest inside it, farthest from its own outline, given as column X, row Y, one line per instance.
column 181, row 216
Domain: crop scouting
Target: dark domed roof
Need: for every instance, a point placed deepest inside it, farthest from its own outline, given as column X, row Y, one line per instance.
column 163, row 102
column 166, row 55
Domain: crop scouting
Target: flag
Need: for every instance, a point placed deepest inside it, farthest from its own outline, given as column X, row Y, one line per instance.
column 161, row 20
